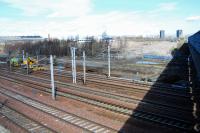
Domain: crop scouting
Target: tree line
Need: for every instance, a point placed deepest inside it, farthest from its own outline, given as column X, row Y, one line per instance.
column 56, row 47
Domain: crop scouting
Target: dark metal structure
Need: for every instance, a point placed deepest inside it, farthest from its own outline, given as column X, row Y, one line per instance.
column 194, row 46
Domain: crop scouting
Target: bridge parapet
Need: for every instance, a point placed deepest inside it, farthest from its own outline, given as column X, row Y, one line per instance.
column 194, row 47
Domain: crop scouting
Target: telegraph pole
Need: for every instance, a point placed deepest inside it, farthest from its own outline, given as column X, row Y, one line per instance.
column 10, row 64
column 37, row 60
column 107, row 40
column 108, row 60
column 27, row 64
column 37, row 56
column 74, row 51
column 23, row 55
column 84, row 68
column 52, row 78
column 73, row 58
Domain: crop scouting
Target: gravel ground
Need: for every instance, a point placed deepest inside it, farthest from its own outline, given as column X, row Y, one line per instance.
column 4, row 130
column 93, row 113
column 8, row 126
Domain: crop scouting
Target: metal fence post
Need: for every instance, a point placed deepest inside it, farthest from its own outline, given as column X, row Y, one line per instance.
column 52, row 77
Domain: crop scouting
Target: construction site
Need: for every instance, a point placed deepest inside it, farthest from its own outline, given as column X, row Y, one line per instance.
column 115, row 84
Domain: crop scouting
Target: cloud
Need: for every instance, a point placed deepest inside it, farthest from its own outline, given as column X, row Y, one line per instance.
column 115, row 23
column 163, row 8
column 51, row 8
column 193, row 18
column 84, row 21
column 167, row 6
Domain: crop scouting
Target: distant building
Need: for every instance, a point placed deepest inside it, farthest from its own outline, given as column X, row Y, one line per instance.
column 7, row 39
column 49, row 37
column 162, row 34
column 19, row 39
column 179, row 33
column 105, row 37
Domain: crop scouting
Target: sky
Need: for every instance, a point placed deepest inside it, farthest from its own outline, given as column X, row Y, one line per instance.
column 63, row 18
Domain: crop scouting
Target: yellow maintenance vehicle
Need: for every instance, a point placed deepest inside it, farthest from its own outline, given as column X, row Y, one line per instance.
column 15, row 62
column 32, row 64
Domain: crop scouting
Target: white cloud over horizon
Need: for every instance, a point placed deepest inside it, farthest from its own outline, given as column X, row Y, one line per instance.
column 168, row 6
column 71, row 17
column 52, row 8
column 193, row 18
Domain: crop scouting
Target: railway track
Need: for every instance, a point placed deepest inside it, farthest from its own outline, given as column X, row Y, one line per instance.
column 128, row 85
column 123, row 80
column 87, row 90
column 72, row 119
column 163, row 120
column 167, row 97
column 24, row 122
column 147, row 85
column 130, row 89
column 156, row 85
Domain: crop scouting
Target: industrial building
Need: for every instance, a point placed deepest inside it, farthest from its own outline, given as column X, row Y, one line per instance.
column 162, row 34
column 7, row 39
column 179, row 33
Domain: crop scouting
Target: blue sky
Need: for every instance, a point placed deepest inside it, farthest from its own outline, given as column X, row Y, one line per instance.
column 62, row 18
